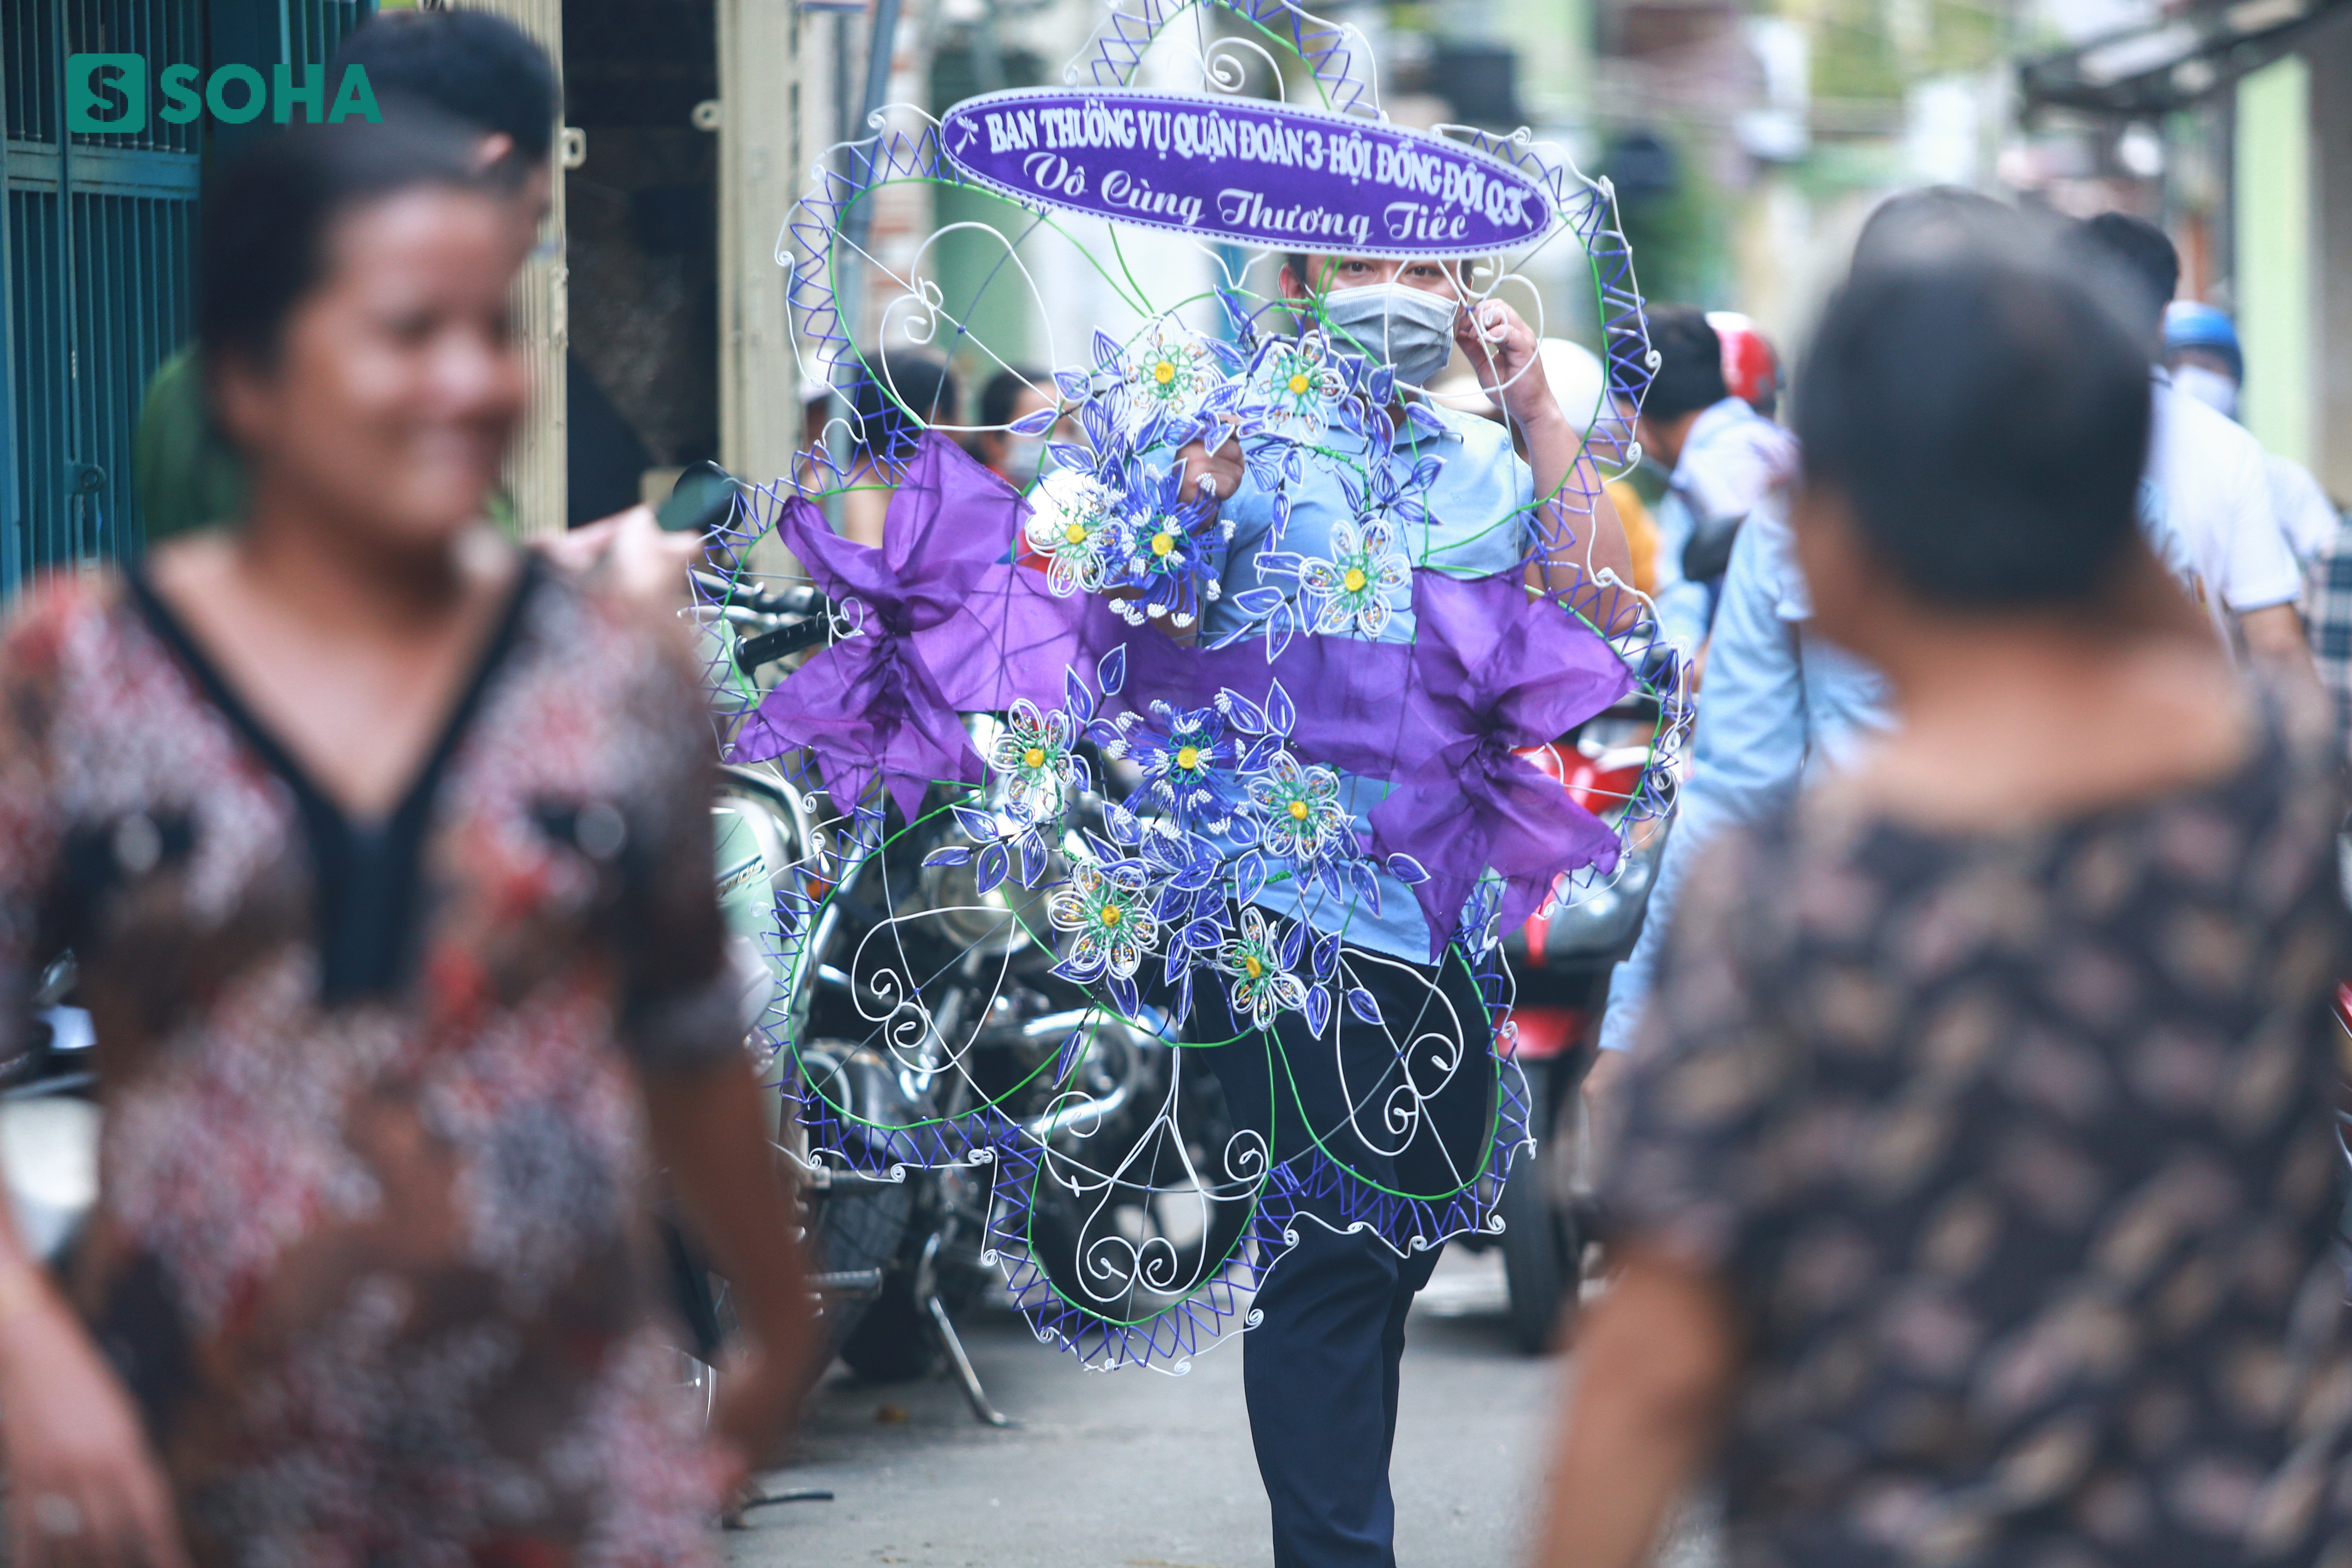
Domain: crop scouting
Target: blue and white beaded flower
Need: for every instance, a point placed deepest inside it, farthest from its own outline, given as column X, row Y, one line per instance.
column 1167, row 379
column 1296, row 388
column 1176, row 550
column 1032, row 754
column 1257, row 981
column 1355, row 591
column 1078, row 524
column 1301, row 816
column 1108, row 912
column 1188, row 764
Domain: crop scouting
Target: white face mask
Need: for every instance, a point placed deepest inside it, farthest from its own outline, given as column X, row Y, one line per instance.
column 2210, row 387
column 1025, row 457
column 1409, row 330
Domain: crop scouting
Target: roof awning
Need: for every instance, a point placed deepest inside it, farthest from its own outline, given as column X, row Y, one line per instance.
column 2169, row 63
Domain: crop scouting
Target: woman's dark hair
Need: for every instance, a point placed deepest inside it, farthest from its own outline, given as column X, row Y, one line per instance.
column 1002, row 395
column 1985, row 418
column 271, row 212
column 474, row 67
column 1932, row 220
column 898, row 395
column 1690, row 362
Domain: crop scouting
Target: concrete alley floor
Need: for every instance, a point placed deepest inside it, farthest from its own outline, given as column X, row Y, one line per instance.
column 1137, row 1469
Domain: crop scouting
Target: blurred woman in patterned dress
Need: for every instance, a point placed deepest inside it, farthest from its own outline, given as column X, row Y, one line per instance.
column 384, row 850
column 1978, row 1190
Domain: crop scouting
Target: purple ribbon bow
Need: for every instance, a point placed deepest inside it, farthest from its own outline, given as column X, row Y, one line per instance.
column 1493, row 670
column 944, row 627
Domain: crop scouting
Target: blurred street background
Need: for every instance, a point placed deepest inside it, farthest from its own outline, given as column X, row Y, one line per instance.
column 1745, row 139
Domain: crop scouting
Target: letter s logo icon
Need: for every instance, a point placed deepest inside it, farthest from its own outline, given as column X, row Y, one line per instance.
column 106, row 94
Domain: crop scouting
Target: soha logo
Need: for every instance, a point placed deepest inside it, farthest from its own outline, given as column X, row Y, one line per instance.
column 107, row 95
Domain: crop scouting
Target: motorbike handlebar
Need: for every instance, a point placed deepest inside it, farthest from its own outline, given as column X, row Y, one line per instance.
column 798, row 600
column 754, row 651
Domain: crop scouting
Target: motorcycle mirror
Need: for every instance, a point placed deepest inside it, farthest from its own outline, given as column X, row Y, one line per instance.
column 700, row 501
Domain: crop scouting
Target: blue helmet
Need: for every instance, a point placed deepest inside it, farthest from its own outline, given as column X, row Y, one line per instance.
column 2190, row 324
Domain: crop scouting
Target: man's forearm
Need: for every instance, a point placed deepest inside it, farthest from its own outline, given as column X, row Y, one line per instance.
column 2274, row 640
column 1573, row 547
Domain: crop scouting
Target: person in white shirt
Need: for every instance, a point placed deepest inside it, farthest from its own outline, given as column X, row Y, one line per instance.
column 2202, row 351
column 1723, row 457
column 2206, row 499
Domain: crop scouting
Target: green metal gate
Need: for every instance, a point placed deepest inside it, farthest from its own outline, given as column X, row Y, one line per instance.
column 97, row 252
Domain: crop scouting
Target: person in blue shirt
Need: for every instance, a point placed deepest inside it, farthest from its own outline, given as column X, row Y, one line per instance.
column 1321, row 1361
column 1780, row 701
column 2202, row 353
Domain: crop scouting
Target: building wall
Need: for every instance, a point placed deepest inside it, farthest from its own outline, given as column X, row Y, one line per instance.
column 2328, row 55
column 2273, row 193
column 761, row 162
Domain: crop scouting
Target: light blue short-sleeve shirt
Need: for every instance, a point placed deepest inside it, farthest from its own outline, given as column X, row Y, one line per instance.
column 1781, row 704
column 1479, row 503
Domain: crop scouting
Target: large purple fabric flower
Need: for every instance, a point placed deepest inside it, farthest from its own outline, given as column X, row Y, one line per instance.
column 942, row 627
column 1493, row 670
column 1490, row 669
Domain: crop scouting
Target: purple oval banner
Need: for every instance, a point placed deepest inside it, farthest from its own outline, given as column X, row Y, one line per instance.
column 1239, row 169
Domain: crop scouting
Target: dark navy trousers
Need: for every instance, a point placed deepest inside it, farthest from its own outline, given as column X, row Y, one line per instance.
column 1320, row 1366
column 1321, row 1371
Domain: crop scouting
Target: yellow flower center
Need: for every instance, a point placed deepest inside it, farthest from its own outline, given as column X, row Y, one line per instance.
column 1163, row 372
column 1187, row 757
column 1034, row 757
column 1298, row 811
column 1162, row 543
column 1256, row 970
column 1298, row 383
column 1075, row 534
column 1355, row 579
column 1110, row 914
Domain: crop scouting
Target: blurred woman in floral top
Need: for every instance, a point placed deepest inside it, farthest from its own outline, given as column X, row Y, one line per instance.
column 385, row 851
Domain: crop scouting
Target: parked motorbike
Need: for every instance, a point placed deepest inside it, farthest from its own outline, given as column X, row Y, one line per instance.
column 902, row 1000
column 933, row 1005
column 762, row 831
